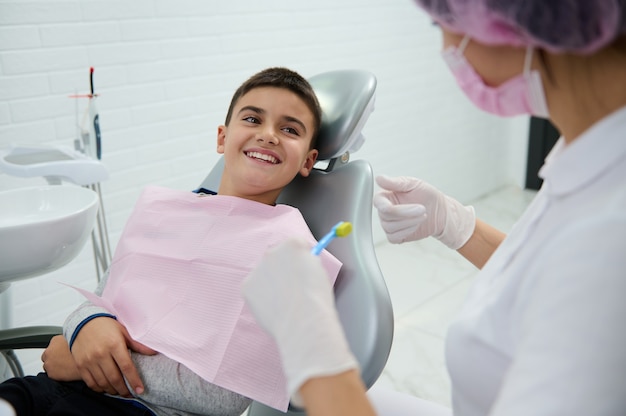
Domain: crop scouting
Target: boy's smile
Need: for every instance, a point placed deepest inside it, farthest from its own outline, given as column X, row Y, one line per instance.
column 266, row 144
column 263, row 155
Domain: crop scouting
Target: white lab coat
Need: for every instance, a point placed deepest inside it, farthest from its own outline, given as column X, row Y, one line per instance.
column 543, row 330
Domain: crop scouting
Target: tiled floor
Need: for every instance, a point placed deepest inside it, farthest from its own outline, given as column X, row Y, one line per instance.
column 427, row 283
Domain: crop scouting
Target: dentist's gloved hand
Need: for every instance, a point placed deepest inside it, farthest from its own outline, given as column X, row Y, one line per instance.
column 292, row 298
column 410, row 209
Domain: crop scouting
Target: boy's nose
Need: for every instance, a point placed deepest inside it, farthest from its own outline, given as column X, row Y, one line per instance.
column 268, row 135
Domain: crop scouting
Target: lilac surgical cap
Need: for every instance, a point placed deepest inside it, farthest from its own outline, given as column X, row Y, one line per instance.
column 578, row 26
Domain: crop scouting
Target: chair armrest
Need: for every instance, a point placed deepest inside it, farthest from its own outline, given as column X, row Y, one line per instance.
column 28, row 337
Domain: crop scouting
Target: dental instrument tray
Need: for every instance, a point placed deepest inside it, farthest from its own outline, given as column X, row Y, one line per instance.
column 55, row 163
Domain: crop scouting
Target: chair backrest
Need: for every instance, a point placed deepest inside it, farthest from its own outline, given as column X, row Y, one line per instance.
column 342, row 191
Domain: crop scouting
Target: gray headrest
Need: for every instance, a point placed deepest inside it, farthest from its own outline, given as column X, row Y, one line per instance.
column 347, row 99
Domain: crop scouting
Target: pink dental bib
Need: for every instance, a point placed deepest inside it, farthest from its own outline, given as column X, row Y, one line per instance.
column 175, row 284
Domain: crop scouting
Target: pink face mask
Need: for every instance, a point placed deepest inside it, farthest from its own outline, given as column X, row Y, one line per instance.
column 522, row 94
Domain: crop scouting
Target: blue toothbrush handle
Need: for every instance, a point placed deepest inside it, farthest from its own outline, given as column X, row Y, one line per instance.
column 325, row 241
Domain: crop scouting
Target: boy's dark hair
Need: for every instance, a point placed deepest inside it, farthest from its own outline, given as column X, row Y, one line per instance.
column 279, row 77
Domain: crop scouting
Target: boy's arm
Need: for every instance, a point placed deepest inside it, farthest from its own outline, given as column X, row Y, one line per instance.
column 169, row 384
column 57, row 358
column 100, row 348
column 86, row 311
column 101, row 352
column 58, row 361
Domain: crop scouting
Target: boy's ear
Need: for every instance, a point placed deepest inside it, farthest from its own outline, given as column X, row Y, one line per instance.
column 221, row 139
column 311, row 157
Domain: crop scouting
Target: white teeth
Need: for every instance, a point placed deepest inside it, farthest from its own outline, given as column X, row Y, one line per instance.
column 262, row 156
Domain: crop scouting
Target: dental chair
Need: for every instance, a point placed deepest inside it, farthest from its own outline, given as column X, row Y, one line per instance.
column 342, row 191
column 336, row 190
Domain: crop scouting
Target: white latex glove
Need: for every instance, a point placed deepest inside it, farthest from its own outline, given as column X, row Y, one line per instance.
column 292, row 298
column 410, row 209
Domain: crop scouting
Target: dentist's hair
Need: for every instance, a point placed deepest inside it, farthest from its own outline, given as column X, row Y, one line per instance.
column 279, row 77
column 574, row 26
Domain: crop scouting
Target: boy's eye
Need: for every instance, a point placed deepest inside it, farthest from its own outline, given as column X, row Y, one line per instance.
column 291, row 130
column 251, row 119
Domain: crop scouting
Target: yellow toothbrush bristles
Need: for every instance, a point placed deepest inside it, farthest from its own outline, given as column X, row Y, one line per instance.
column 343, row 229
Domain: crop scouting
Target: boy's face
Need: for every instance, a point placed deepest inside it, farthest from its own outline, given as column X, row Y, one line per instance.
column 266, row 144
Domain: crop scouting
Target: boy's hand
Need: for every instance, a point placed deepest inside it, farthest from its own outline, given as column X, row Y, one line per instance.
column 101, row 353
column 58, row 361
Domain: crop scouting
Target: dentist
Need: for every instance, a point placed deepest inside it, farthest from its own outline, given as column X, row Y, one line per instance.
column 542, row 330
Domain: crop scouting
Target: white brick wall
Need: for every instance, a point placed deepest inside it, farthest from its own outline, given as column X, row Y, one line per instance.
column 166, row 69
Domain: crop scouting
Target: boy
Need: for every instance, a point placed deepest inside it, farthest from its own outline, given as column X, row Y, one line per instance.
column 267, row 139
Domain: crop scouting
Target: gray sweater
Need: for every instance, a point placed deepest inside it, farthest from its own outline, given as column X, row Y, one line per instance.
column 170, row 387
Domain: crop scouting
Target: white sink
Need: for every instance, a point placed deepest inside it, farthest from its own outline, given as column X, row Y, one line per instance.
column 43, row 228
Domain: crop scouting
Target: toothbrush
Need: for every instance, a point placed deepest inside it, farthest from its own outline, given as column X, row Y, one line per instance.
column 341, row 229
